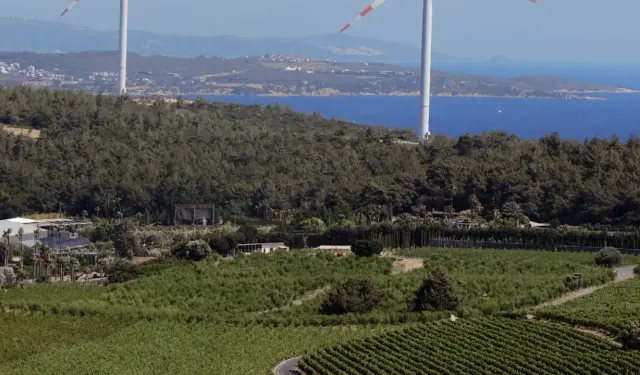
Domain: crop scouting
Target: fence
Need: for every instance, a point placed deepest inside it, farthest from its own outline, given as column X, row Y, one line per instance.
column 548, row 240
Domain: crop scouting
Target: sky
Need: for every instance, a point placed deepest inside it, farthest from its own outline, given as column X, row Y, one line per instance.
column 551, row 30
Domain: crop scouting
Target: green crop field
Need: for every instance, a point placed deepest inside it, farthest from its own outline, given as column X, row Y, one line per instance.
column 610, row 308
column 242, row 316
column 486, row 346
column 63, row 344
column 256, row 286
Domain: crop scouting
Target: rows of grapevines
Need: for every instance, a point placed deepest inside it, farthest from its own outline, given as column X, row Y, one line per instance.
column 610, row 308
column 484, row 346
column 54, row 345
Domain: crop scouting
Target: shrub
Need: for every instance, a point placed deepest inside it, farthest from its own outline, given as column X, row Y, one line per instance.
column 436, row 293
column 352, row 296
column 222, row 244
column 194, row 250
column 366, row 248
column 248, row 233
column 7, row 277
column 637, row 270
column 630, row 337
column 102, row 232
column 121, row 270
column 609, row 257
column 572, row 283
column 152, row 240
column 312, row 224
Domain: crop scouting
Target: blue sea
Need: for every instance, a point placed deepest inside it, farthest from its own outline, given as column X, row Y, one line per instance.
column 527, row 118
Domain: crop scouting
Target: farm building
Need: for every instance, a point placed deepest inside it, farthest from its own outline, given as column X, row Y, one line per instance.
column 12, row 227
column 264, row 248
column 196, row 214
column 56, row 233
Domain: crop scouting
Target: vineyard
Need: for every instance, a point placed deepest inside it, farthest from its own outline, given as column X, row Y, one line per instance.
column 259, row 287
column 485, row 346
column 238, row 316
column 610, row 308
column 63, row 345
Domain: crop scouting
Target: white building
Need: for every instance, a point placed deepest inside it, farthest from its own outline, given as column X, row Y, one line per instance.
column 264, row 248
column 28, row 227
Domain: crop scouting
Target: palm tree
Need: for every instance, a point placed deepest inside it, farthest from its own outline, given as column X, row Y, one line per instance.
column 47, row 257
column 20, row 234
column 513, row 210
column 73, row 264
column 62, row 262
column 5, row 234
column 36, row 257
column 406, row 222
column 7, row 255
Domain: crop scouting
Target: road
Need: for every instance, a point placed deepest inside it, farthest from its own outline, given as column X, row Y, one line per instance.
column 287, row 367
column 624, row 273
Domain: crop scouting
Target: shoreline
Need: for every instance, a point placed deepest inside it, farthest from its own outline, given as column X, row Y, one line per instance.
column 282, row 95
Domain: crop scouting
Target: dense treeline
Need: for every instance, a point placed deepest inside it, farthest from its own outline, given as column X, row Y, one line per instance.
column 104, row 154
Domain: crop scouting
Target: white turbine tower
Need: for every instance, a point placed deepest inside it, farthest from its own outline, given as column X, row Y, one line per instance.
column 425, row 71
column 124, row 25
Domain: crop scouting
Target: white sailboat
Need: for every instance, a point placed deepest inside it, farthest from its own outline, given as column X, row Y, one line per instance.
column 499, row 107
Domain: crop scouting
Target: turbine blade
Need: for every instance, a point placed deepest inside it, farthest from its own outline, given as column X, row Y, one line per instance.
column 345, row 27
column 366, row 11
column 73, row 2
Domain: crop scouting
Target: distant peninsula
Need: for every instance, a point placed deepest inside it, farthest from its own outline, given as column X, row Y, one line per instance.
column 268, row 75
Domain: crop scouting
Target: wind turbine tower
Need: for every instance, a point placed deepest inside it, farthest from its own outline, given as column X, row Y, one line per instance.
column 425, row 71
column 124, row 26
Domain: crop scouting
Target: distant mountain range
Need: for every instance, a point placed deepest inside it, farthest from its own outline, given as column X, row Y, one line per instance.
column 45, row 36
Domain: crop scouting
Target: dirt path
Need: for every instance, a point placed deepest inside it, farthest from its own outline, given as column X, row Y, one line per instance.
column 299, row 301
column 402, row 264
column 624, row 273
column 310, row 295
column 598, row 333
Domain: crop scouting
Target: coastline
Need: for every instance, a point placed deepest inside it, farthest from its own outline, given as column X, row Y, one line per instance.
column 575, row 95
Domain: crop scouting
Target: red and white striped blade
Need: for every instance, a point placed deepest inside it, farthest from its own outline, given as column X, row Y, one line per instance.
column 364, row 12
column 373, row 6
column 69, row 7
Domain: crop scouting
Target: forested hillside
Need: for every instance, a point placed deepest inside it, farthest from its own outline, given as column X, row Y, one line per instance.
column 104, row 154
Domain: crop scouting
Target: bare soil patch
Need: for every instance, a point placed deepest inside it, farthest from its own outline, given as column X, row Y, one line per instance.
column 23, row 131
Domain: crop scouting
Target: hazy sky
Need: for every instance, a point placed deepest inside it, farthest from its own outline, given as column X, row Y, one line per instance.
column 570, row 30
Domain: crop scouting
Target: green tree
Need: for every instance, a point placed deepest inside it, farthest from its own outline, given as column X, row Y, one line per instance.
column 125, row 241
column 436, row 293
column 609, row 257
column 366, row 248
column 352, row 296
column 193, row 250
